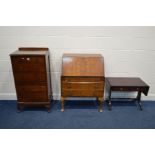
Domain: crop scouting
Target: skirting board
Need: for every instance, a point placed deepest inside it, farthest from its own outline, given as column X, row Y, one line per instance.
column 12, row 96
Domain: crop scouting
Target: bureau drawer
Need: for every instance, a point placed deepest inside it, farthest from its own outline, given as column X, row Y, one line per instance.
column 32, row 92
column 82, row 93
column 28, row 63
column 82, row 79
column 30, row 76
column 83, row 85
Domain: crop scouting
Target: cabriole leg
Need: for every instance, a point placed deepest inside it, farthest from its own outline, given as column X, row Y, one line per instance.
column 100, row 104
column 62, row 104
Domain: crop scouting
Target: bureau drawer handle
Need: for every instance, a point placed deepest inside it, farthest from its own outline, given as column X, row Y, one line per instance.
column 28, row 59
column 22, row 58
column 121, row 88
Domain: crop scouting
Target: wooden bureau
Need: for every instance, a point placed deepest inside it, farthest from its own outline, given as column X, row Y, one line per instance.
column 31, row 70
column 82, row 76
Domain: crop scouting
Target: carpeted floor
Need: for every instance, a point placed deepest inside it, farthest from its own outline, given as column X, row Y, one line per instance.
column 79, row 115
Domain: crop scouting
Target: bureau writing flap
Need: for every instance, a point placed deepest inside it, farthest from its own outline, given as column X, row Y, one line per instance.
column 82, row 65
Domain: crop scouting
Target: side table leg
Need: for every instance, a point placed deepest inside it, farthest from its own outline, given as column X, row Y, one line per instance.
column 100, row 104
column 62, row 104
column 109, row 101
column 139, row 100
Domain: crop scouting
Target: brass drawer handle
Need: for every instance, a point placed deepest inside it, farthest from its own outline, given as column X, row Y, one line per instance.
column 28, row 59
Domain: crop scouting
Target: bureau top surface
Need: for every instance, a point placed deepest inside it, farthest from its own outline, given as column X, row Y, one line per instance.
column 81, row 55
column 126, row 82
column 82, row 65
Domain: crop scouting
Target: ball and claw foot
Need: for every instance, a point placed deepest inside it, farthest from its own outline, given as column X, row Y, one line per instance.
column 19, row 109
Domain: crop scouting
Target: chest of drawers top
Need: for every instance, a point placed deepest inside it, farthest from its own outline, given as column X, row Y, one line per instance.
column 30, row 59
column 30, row 51
column 85, row 65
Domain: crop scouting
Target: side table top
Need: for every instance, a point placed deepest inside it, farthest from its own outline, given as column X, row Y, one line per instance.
column 126, row 82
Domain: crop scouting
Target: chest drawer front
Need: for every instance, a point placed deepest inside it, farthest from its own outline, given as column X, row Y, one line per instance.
column 28, row 63
column 37, row 97
column 32, row 92
column 83, row 85
column 36, row 87
column 30, row 76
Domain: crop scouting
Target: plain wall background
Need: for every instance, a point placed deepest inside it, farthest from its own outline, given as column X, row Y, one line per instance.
column 128, row 51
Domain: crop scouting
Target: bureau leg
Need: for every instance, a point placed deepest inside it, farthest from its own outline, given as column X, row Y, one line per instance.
column 109, row 101
column 139, row 100
column 100, row 104
column 62, row 104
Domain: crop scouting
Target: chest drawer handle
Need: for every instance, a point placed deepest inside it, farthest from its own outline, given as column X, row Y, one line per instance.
column 28, row 59
column 121, row 88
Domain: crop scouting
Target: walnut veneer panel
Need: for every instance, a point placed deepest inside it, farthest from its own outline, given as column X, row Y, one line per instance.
column 82, row 65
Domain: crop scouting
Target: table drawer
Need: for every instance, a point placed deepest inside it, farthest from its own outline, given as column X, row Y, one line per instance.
column 82, row 85
column 28, row 63
column 126, row 88
column 82, row 93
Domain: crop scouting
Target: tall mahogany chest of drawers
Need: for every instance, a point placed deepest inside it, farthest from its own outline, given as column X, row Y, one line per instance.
column 31, row 70
column 82, row 76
